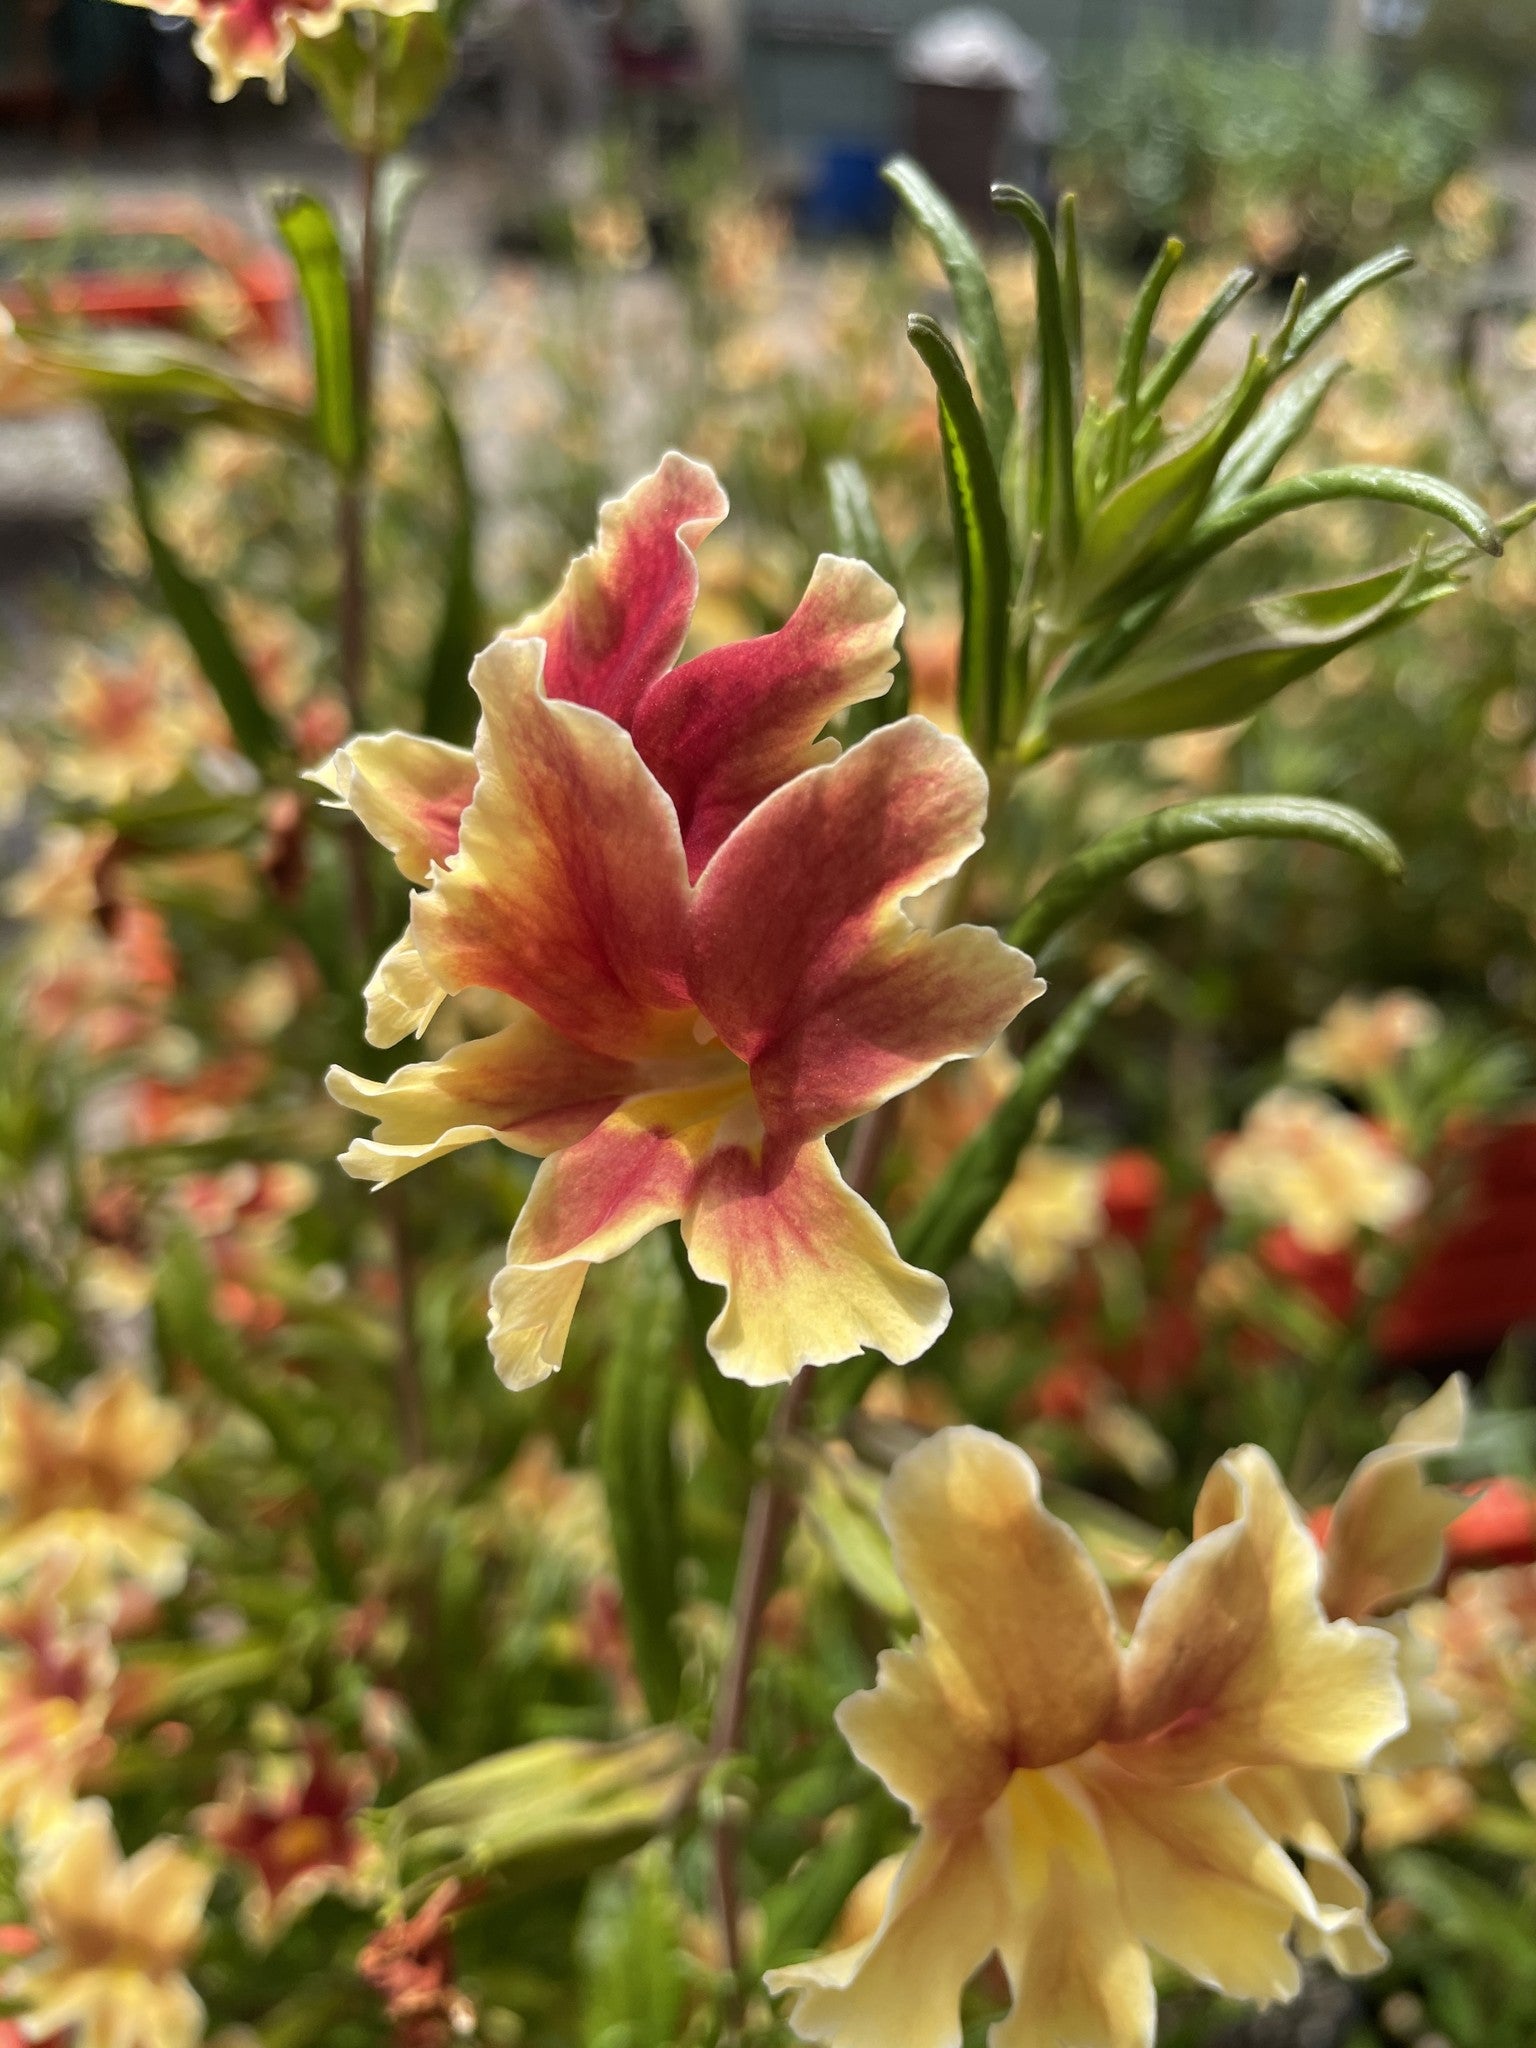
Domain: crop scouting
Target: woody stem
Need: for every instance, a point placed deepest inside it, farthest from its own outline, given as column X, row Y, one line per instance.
column 770, row 1510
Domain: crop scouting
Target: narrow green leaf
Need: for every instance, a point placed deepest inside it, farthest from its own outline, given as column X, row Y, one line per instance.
column 309, row 233
column 1137, row 527
column 731, row 1404
column 1055, row 510
column 1179, row 827
column 799, row 1914
column 1138, row 329
column 856, row 531
column 375, row 94
column 981, row 537
column 448, row 705
column 1324, row 310
column 974, row 309
column 634, row 1975
column 840, row 1511
column 1069, row 259
column 546, row 1811
column 1224, row 666
column 1361, row 481
column 1256, row 453
column 637, row 1404
column 163, row 376
column 965, row 1196
column 1172, row 366
column 202, row 623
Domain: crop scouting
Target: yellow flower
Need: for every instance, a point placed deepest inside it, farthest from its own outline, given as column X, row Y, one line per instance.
column 115, row 1937
column 241, row 39
column 1302, row 1160
column 1072, row 1791
column 131, row 724
column 56, row 1679
column 1362, row 1037
column 1052, row 1209
column 75, row 1485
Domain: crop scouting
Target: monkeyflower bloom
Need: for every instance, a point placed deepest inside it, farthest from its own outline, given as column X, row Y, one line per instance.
column 115, row 1937
column 1360, row 1038
column 241, row 39
column 1303, row 1161
column 131, row 723
column 1073, row 1790
column 694, row 905
column 75, row 1486
column 1052, row 1209
column 56, row 1684
column 295, row 1830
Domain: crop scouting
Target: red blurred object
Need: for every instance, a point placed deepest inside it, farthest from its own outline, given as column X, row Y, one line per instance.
column 1329, row 1277
column 153, row 284
column 1498, row 1528
column 1478, row 1281
column 1132, row 1189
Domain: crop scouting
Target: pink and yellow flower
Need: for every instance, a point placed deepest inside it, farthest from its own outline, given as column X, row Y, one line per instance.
column 294, row 1827
column 1302, row 1160
column 241, row 39
column 75, row 1486
column 56, row 1689
column 1360, row 1038
column 1075, row 1793
column 693, row 904
column 115, row 1937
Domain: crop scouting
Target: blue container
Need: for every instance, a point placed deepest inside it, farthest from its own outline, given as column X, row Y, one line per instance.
column 846, row 195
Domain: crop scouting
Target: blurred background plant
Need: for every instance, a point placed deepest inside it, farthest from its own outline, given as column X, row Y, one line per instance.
column 384, row 1648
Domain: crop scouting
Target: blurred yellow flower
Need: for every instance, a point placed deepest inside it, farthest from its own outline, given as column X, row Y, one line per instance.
column 1303, row 1161
column 1360, row 1038
column 75, row 1485
column 241, row 39
column 1052, row 1209
column 116, row 1935
column 131, row 724
column 1072, row 1791
column 56, row 1678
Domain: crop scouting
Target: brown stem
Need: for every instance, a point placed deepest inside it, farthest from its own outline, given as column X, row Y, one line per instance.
column 770, row 1509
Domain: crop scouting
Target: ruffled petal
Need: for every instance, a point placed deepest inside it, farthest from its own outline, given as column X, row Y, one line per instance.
column 810, row 1271
column 1014, row 1612
column 904, row 1983
column 569, row 890
column 891, row 1728
column 620, row 617
column 1233, row 1661
column 525, row 1085
column 724, row 730
column 805, row 963
column 1386, row 1534
column 402, row 995
column 409, row 793
column 1201, row 1881
column 1076, row 1968
column 531, row 1314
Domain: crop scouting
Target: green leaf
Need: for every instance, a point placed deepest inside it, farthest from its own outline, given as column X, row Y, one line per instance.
column 981, row 537
column 202, row 623
column 1361, row 481
column 1256, row 453
column 955, row 1209
column 731, row 1404
column 1324, row 310
column 1070, row 265
column 637, row 1405
column 856, row 531
column 309, row 233
column 1224, row 666
column 634, row 1979
column 448, row 705
column 1179, row 827
column 1138, row 331
column 974, row 310
column 161, row 375
column 1052, row 471
column 376, row 91
column 800, row 1913
column 1173, row 365
column 548, row 1810
column 840, row 1511
column 1137, row 526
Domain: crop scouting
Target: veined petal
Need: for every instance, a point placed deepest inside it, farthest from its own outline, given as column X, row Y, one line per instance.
column 802, row 958
column 569, row 890
column 1386, row 1534
column 724, row 730
column 1012, row 1608
column 904, row 1983
column 620, row 617
column 1077, row 1970
column 402, row 995
column 945, row 1780
column 810, row 1271
column 406, row 791
column 1201, row 1882
column 524, row 1085
column 1310, row 1811
column 1233, row 1661
column 532, row 1309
